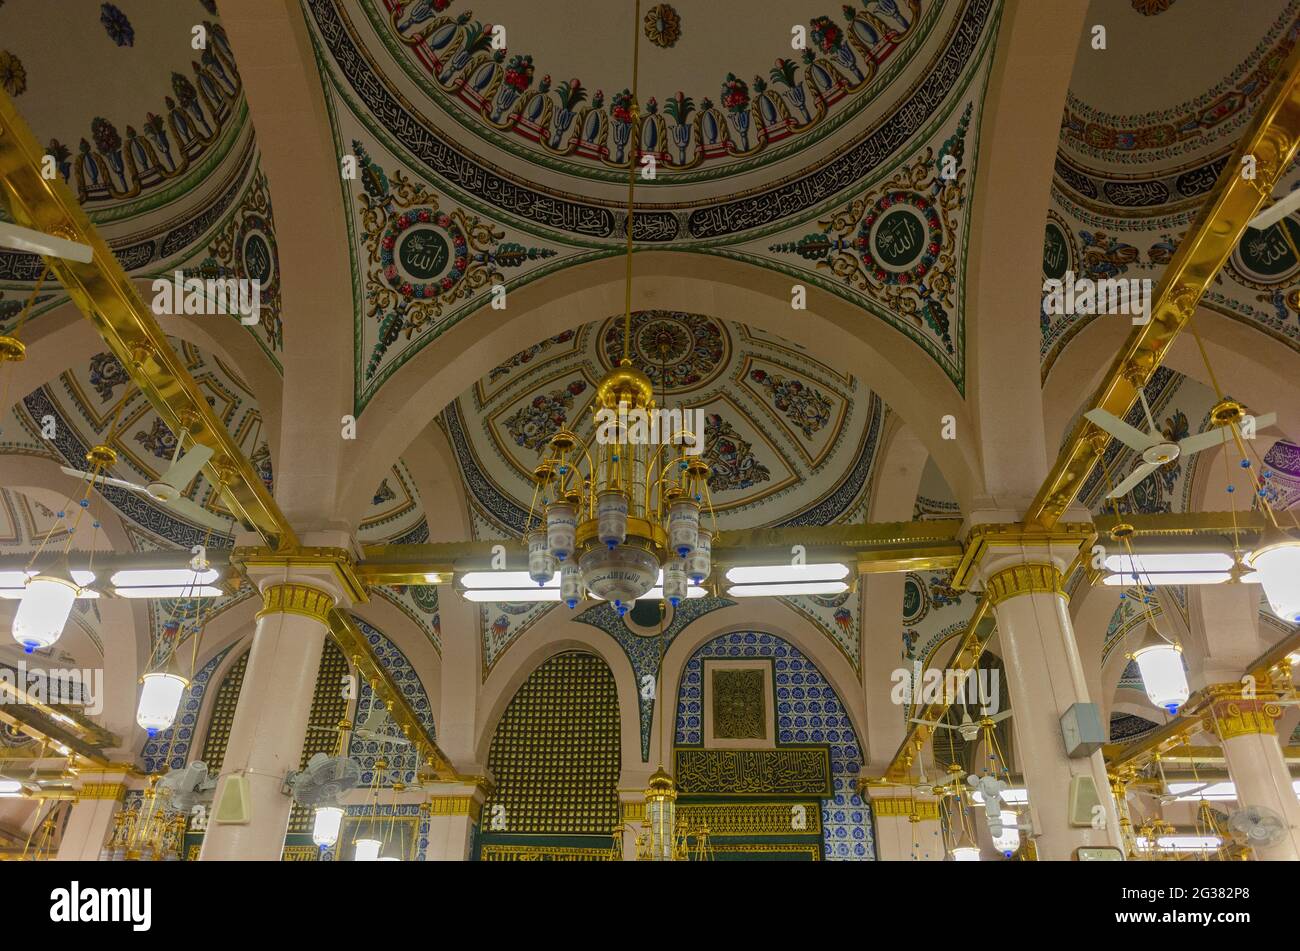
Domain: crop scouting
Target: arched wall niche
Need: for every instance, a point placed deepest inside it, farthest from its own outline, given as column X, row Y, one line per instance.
column 831, row 330
column 555, row 758
column 556, row 634
column 806, row 712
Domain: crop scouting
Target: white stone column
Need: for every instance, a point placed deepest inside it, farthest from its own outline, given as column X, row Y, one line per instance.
column 1045, row 678
column 1246, row 727
column 270, row 724
column 454, row 812
column 462, row 676
column 99, row 799
column 906, row 823
column 1225, row 637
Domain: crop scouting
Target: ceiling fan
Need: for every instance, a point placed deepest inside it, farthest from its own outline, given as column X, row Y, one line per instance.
column 169, row 487
column 1156, row 450
column 968, row 728
column 17, row 238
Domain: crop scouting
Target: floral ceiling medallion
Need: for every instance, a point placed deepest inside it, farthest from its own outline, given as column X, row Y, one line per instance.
column 663, row 27
column 1149, row 8
column 118, row 26
column 13, row 77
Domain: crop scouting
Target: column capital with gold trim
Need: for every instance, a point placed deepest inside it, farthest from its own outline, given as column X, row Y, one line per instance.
column 1231, row 710
column 1007, row 559
column 310, row 579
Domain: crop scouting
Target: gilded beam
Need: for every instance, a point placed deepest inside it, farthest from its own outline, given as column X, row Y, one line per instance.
column 1271, row 142
column 866, row 548
column 978, row 630
column 357, row 649
column 107, row 296
column 1189, row 525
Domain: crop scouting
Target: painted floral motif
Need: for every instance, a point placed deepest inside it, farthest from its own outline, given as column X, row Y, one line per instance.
column 210, row 6
column 531, row 426
column 840, row 59
column 942, row 593
column 525, row 356
column 159, row 440
column 731, row 458
column 804, row 406
column 1105, row 255
column 13, row 77
column 168, row 144
column 663, row 27
column 677, row 351
column 106, row 375
column 1149, row 8
column 261, row 460
column 894, row 243
column 422, row 258
column 383, row 494
column 118, row 26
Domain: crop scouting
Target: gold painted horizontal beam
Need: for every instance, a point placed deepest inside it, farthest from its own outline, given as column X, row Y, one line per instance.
column 1185, row 524
column 107, row 296
column 356, row 648
column 39, row 726
column 867, row 548
column 1272, row 140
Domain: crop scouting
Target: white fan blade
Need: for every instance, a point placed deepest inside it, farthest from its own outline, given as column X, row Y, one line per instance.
column 103, row 479
column 1130, row 436
column 38, row 242
column 1138, row 474
column 996, row 717
column 1276, row 211
column 193, row 512
column 1219, row 434
column 182, row 472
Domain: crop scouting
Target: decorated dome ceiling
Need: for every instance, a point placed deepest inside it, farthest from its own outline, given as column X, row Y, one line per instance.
column 153, row 137
column 80, row 408
column 1135, row 167
column 723, row 91
column 790, row 440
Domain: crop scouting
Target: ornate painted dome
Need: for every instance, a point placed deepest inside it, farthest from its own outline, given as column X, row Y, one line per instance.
column 724, row 90
column 772, row 416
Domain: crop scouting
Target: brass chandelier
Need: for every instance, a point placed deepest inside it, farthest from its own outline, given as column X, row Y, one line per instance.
column 619, row 514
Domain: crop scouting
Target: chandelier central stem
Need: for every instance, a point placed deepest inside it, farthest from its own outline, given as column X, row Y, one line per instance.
column 631, row 182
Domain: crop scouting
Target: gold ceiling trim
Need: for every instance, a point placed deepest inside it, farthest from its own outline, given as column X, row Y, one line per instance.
column 357, row 649
column 108, row 297
column 868, row 548
column 977, row 633
column 1272, row 139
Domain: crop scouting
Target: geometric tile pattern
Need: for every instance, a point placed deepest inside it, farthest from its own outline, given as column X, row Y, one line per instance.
column 555, row 752
column 808, row 711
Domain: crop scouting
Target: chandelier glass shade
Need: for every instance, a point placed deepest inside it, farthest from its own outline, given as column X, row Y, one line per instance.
column 615, row 512
column 1278, row 562
column 325, row 828
column 367, row 850
column 159, row 699
column 160, row 696
column 1161, row 666
column 44, row 609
